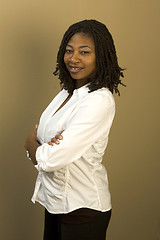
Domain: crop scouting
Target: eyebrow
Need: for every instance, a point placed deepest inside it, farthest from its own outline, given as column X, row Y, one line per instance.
column 79, row 47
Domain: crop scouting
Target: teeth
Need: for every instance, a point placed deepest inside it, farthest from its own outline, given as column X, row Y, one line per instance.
column 74, row 69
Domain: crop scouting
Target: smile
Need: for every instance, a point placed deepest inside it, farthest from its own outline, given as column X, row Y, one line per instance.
column 74, row 69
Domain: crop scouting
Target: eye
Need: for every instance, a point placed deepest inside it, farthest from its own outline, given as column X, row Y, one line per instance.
column 84, row 52
column 68, row 51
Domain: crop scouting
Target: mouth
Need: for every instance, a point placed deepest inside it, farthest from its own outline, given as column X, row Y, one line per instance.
column 73, row 69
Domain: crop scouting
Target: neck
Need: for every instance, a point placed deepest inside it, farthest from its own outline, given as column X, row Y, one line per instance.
column 80, row 83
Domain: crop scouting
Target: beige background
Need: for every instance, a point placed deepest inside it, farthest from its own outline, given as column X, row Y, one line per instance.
column 30, row 33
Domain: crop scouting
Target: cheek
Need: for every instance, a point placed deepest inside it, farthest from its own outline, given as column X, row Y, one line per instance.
column 93, row 65
column 65, row 58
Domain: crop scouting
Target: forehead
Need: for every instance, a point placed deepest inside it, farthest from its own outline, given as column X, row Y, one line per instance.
column 81, row 39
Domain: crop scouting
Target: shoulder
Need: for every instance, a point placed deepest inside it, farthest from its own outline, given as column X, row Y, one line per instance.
column 95, row 107
column 101, row 97
column 97, row 103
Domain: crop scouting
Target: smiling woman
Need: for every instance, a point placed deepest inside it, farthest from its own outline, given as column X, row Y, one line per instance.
column 80, row 58
column 107, row 73
column 68, row 146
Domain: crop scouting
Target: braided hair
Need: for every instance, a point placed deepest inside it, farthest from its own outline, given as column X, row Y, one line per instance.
column 107, row 73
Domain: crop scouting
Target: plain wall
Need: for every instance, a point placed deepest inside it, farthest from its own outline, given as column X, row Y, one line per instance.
column 30, row 34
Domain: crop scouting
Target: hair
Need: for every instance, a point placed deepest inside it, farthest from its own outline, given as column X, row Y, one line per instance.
column 107, row 73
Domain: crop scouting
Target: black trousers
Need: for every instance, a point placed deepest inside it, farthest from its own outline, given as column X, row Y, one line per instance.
column 89, row 226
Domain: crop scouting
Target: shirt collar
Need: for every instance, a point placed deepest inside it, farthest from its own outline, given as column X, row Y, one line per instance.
column 82, row 91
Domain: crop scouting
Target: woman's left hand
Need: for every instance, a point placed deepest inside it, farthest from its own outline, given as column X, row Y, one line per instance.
column 55, row 140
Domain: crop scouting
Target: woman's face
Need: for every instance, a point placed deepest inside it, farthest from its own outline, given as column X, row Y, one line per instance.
column 80, row 58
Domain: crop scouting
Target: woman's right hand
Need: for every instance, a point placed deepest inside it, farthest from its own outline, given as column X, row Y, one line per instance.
column 55, row 140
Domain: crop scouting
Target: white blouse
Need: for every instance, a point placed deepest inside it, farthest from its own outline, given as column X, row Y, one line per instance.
column 71, row 174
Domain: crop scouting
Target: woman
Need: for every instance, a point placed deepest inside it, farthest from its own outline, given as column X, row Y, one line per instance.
column 68, row 146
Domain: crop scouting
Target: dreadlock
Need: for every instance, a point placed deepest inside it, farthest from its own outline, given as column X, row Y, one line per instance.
column 107, row 72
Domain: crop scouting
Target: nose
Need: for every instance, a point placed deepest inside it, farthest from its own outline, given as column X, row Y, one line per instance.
column 75, row 57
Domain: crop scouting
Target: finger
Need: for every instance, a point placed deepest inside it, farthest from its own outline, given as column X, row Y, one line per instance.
column 59, row 136
column 55, row 140
column 35, row 128
column 50, row 143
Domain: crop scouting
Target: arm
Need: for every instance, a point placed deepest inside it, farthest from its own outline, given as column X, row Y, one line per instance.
column 31, row 145
column 90, row 120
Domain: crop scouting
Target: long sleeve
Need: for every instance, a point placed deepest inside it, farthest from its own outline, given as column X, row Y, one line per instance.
column 88, row 121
